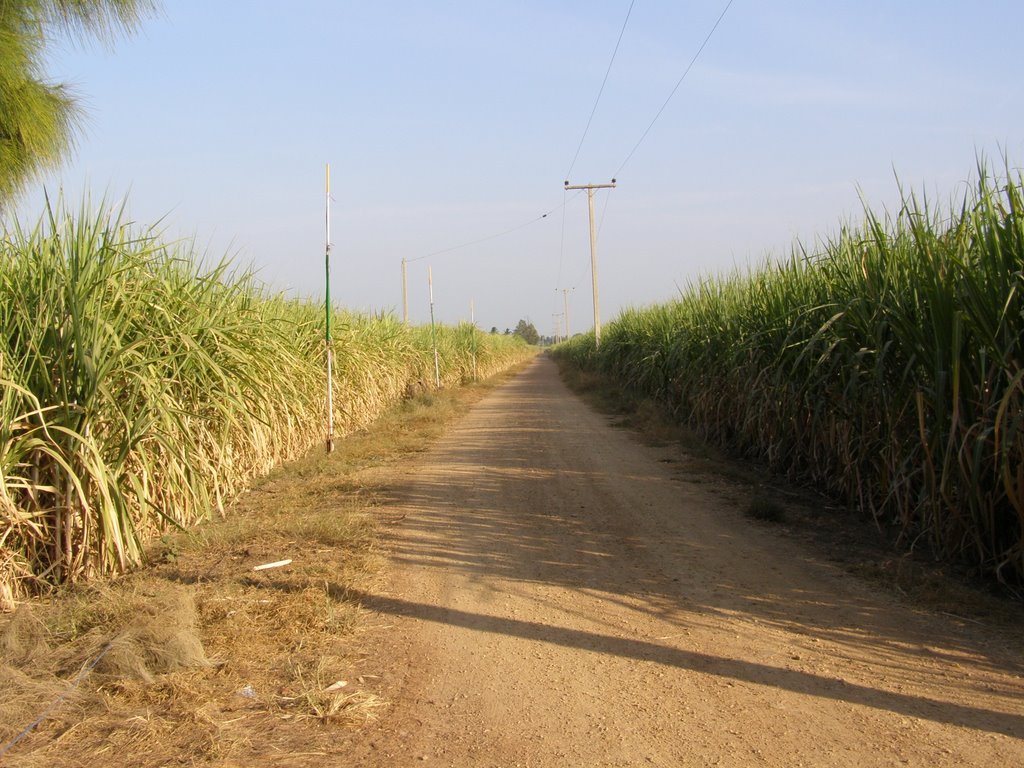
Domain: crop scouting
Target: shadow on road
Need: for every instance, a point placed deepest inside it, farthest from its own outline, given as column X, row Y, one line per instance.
column 534, row 489
column 742, row 671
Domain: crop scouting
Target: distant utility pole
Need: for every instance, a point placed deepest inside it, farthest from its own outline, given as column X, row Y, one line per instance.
column 405, row 293
column 593, row 250
column 565, row 301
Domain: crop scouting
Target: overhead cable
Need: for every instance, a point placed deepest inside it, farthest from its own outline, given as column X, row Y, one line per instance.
column 674, row 89
column 600, row 91
column 496, row 234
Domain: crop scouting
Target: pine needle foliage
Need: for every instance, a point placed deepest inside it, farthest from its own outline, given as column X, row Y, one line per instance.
column 37, row 117
column 886, row 368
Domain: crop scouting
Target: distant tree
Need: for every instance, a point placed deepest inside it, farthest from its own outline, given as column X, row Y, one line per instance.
column 527, row 332
column 494, row 329
column 38, row 117
column 508, row 331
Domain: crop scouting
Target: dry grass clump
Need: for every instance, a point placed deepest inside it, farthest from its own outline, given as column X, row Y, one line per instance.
column 24, row 637
column 55, row 658
column 199, row 657
column 24, row 697
column 162, row 637
column 327, row 698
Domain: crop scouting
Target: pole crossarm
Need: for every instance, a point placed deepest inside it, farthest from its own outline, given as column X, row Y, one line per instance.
column 590, row 186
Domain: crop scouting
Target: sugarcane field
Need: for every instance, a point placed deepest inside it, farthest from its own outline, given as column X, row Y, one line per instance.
column 294, row 471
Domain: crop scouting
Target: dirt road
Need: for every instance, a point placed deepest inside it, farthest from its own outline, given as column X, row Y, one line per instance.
column 560, row 595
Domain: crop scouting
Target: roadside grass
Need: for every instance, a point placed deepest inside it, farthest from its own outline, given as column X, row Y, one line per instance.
column 852, row 540
column 142, row 385
column 198, row 658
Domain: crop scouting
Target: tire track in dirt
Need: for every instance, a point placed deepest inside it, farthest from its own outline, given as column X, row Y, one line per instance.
column 558, row 596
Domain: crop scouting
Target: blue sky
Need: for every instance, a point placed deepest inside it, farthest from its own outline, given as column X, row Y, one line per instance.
column 447, row 122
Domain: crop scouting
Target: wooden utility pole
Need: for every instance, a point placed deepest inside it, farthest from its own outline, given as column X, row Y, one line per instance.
column 405, row 292
column 593, row 250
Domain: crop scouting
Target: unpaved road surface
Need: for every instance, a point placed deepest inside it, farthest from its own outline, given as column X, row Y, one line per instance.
column 560, row 595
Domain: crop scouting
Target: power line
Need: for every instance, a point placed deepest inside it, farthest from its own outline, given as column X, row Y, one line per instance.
column 496, row 234
column 583, row 274
column 57, row 702
column 604, row 210
column 676, row 88
column 600, row 91
column 657, row 115
column 593, row 250
column 600, row 225
column 561, row 242
column 593, row 111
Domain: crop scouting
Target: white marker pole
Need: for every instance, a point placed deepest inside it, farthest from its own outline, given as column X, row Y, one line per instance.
column 327, row 313
column 433, row 332
column 472, row 329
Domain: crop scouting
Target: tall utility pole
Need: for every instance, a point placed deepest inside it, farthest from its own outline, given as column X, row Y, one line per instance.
column 327, row 313
column 405, row 293
column 593, row 250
